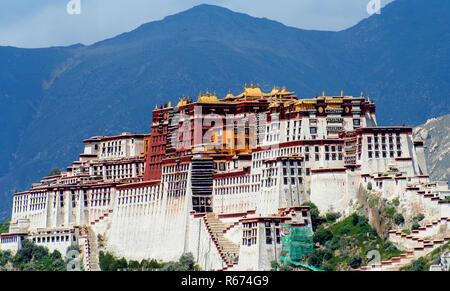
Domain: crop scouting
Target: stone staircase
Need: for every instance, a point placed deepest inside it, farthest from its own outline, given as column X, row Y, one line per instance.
column 439, row 228
column 228, row 250
column 102, row 217
column 89, row 249
column 230, row 226
column 396, row 263
column 416, row 243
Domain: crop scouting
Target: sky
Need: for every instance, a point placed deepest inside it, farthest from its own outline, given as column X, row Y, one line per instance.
column 44, row 23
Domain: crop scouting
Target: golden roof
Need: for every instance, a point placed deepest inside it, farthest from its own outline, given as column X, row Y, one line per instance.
column 286, row 92
column 306, row 101
column 252, row 91
column 182, row 101
column 207, row 98
column 333, row 101
column 275, row 91
column 256, row 92
column 273, row 104
column 229, row 95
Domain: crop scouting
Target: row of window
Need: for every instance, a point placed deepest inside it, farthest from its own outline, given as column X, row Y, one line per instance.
column 237, row 189
column 236, row 180
column 173, row 169
column 384, row 154
column 139, row 198
column 62, row 238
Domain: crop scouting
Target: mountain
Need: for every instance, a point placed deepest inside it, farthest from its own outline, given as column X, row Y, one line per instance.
column 435, row 133
column 53, row 98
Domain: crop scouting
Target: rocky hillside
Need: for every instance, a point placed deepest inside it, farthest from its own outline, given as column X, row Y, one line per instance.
column 435, row 134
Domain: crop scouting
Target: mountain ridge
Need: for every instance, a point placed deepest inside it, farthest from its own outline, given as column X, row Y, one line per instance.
column 111, row 86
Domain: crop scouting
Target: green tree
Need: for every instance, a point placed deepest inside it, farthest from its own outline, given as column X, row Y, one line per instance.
column 355, row 261
column 122, row 264
column 107, row 262
column 174, row 266
column 334, row 243
column 133, row 265
column 151, row 265
column 315, row 259
column 419, row 217
column 322, row 236
column 4, row 226
column 5, row 256
column 419, row 265
column 399, row 219
column 316, row 219
column 32, row 257
column 187, row 260
column 30, row 266
column 285, row 267
column 274, row 265
column 24, row 255
column 332, row 216
column 40, row 253
column 318, row 256
column 396, row 201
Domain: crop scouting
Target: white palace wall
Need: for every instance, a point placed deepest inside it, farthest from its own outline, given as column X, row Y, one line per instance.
column 328, row 190
column 149, row 229
column 200, row 244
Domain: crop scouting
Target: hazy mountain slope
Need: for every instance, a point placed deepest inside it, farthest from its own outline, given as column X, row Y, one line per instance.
column 403, row 60
column 435, row 134
column 61, row 96
column 23, row 74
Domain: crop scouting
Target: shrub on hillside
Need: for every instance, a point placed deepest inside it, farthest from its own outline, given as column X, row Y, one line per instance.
column 355, row 261
column 332, row 216
column 419, row 217
column 419, row 265
column 322, row 236
column 32, row 257
column 399, row 219
column 316, row 219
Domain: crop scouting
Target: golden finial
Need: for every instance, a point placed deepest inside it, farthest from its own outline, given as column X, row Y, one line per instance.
column 251, row 84
column 170, row 104
column 156, row 107
column 362, row 94
column 245, row 86
column 199, row 95
column 257, row 85
column 215, row 93
column 342, row 93
column 323, row 93
column 207, row 92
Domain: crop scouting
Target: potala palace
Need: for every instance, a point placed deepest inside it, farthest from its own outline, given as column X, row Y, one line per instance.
column 226, row 180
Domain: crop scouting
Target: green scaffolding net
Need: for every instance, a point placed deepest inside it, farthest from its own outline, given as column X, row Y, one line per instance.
column 297, row 241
